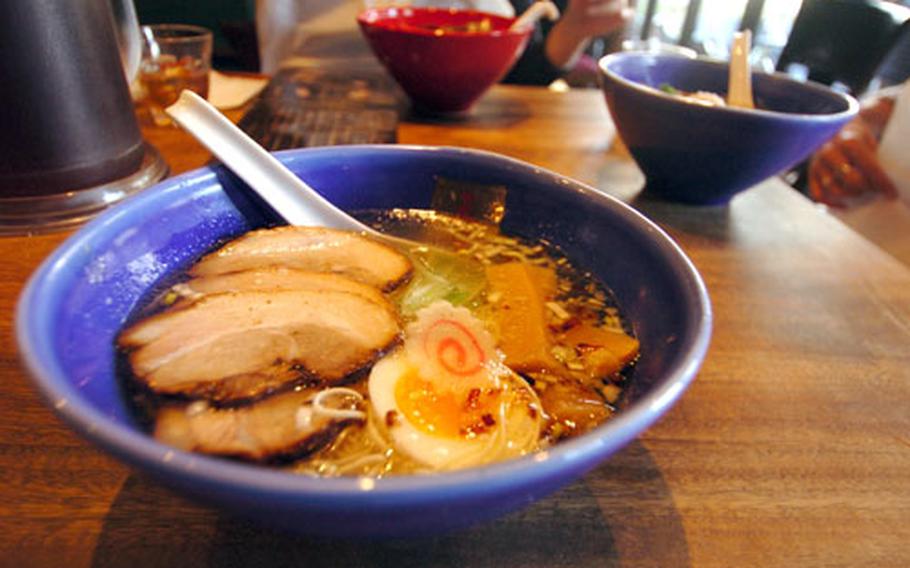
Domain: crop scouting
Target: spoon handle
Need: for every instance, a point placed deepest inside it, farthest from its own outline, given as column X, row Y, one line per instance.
column 739, row 91
column 294, row 200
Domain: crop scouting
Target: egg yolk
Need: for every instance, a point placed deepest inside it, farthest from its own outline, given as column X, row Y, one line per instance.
column 446, row 413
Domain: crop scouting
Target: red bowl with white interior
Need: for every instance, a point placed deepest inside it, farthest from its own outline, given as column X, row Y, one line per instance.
column 444, row 59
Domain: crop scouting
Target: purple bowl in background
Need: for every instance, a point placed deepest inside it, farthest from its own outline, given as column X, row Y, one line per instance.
column 697, row 154
column 78, row 299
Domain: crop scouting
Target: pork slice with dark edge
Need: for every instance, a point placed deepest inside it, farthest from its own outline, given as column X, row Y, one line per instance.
column 273, row 278
column 238, row 346
column 316, row 249
column 282, row 427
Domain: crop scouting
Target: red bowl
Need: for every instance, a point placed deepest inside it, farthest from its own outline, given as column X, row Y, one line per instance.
column 441, row 65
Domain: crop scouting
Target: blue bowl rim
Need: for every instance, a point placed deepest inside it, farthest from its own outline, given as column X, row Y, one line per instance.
column 138, row 448
column 605, row 62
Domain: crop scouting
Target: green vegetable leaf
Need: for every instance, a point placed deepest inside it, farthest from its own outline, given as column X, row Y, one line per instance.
column 442, row 277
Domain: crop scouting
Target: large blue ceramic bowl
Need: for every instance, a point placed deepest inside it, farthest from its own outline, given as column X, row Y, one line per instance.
column 705, row 155
column 74, row 304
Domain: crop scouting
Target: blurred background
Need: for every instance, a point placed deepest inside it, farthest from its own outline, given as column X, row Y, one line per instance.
column 855, row 45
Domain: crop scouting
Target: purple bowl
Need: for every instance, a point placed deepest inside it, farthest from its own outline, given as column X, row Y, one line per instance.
column 75, row 303
column 705, row 155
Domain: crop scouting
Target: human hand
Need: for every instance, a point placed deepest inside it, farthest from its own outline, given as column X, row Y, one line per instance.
column 876, row 111
column 581, row 21
column 590, row 18
column 847, row 166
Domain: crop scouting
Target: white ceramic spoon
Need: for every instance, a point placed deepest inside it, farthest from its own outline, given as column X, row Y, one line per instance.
column 294, row 200
column 739, row 89
column 300, row 204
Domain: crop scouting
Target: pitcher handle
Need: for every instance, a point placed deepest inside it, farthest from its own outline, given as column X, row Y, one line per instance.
column 128, row 37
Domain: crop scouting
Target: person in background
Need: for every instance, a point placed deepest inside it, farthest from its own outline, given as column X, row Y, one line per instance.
column 556, row 48
column 328, row 28
column 847, row 167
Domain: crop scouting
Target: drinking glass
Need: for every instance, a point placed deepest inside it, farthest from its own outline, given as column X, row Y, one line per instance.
column 174, row 57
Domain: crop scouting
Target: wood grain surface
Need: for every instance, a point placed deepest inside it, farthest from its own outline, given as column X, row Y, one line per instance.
column 791, row 448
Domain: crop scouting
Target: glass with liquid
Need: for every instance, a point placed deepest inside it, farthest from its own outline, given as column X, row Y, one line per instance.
column 175, row 57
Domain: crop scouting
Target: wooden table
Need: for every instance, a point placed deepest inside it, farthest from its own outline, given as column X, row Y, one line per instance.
column 792, row 448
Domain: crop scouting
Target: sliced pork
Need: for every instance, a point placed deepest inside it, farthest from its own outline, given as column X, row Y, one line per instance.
column 275, row 278
column 283, row 426
column 316, row 249
column 237, row 346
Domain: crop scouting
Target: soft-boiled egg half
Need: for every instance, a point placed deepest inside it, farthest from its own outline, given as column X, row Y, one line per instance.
column 446, row 400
